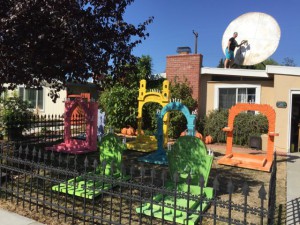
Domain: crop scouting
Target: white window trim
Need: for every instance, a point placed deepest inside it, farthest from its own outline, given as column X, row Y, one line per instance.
column 43, row 88
column 218, row 86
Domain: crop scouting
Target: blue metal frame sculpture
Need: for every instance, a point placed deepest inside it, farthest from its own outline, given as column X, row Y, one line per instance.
column 159, row 156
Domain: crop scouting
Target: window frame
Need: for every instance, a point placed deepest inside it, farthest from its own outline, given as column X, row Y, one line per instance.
column 36, row 96
column 236, row 86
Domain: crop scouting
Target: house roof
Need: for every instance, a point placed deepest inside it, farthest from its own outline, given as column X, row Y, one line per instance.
column 234, row 72
column 284, row 70
column 270, row 70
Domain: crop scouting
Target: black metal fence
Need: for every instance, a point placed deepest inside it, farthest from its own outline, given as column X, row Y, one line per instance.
column 28, row 175
column 42, row 129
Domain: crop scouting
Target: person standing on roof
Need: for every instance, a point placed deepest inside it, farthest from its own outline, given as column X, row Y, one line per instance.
column 229, row 51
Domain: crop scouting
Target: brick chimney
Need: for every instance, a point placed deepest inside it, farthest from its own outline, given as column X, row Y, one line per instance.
column 185, row 66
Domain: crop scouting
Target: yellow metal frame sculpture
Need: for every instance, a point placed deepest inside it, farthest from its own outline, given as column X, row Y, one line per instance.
column 146, row 143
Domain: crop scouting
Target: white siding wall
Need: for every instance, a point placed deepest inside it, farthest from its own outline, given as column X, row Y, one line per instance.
column 54, row 108
column 49, row 106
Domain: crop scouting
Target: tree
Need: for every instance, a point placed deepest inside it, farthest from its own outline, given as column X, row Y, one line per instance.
column 288, row 62
column 221, row 63
column 259, row 66
column 60, row 41
column 142, row 69
column 178, row 121
column 120, row 105
column 262, row 66
column 120, row 100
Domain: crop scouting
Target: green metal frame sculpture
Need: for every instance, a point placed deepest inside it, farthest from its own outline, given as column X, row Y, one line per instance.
column 188, row 156
column 111, row 149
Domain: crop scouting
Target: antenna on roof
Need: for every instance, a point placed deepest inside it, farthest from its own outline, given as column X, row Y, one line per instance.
column 261, row 35
column 196, row 41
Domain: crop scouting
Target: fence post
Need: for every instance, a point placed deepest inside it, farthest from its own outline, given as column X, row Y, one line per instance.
column 216, row 187
column 9, row 127
column 142, row 174
column 201, row 184
column 176, row 180
column 272, row 192
column 230, row 189
column 1, row 162
column 163, row 179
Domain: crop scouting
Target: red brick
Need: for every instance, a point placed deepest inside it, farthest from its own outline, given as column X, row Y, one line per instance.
column 185, row 66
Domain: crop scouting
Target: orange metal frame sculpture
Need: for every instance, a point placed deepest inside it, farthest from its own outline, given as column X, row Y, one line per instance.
column 257, row 162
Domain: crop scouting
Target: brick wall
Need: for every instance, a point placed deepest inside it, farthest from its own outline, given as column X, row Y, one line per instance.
column 185, row 66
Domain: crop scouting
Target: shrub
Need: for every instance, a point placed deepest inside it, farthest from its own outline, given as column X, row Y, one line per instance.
column 245, row 125
column 214, row 122
column 248, row 124
column 120, row 106
column 149, row 122
column 15, row 116
column 178, row 121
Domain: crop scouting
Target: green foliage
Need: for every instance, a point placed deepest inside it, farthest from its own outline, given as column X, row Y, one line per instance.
column 149, row 123
column 142, row 69
column 259, row 66
column 149, row 117
column 14, row 112
column 287, row 61
column 178, row 121
column 262, row 66
column 120, row 105
column 177, row 124
column 120, row 100
column 245, row 125
column 62, row 41
column 221, row 63
column 214, row 122
column 248, row 124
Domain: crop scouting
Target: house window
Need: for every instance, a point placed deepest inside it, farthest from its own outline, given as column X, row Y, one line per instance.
column 34, row 96
column 228, row 96
column 3, row 94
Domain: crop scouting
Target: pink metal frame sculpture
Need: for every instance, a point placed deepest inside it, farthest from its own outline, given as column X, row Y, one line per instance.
column 76, row 146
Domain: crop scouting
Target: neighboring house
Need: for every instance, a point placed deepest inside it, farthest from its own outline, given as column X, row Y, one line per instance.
column 218, row 88
column 42, row 104
column 39, row 100
column 77, row 89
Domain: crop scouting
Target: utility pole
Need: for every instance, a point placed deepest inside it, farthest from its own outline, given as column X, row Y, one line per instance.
column 196, row 41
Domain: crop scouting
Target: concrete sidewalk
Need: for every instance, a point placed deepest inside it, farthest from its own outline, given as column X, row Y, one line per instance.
column 293, row 189
column 10, row 218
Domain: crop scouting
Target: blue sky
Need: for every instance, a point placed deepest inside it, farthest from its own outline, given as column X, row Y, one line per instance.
column 174, row 21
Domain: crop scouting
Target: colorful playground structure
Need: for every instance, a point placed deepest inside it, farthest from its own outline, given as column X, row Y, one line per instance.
column 92, row 184
column 159, row 157
column 79, row 146
column 256, row 162
column 189, row 160
column 144, row 143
